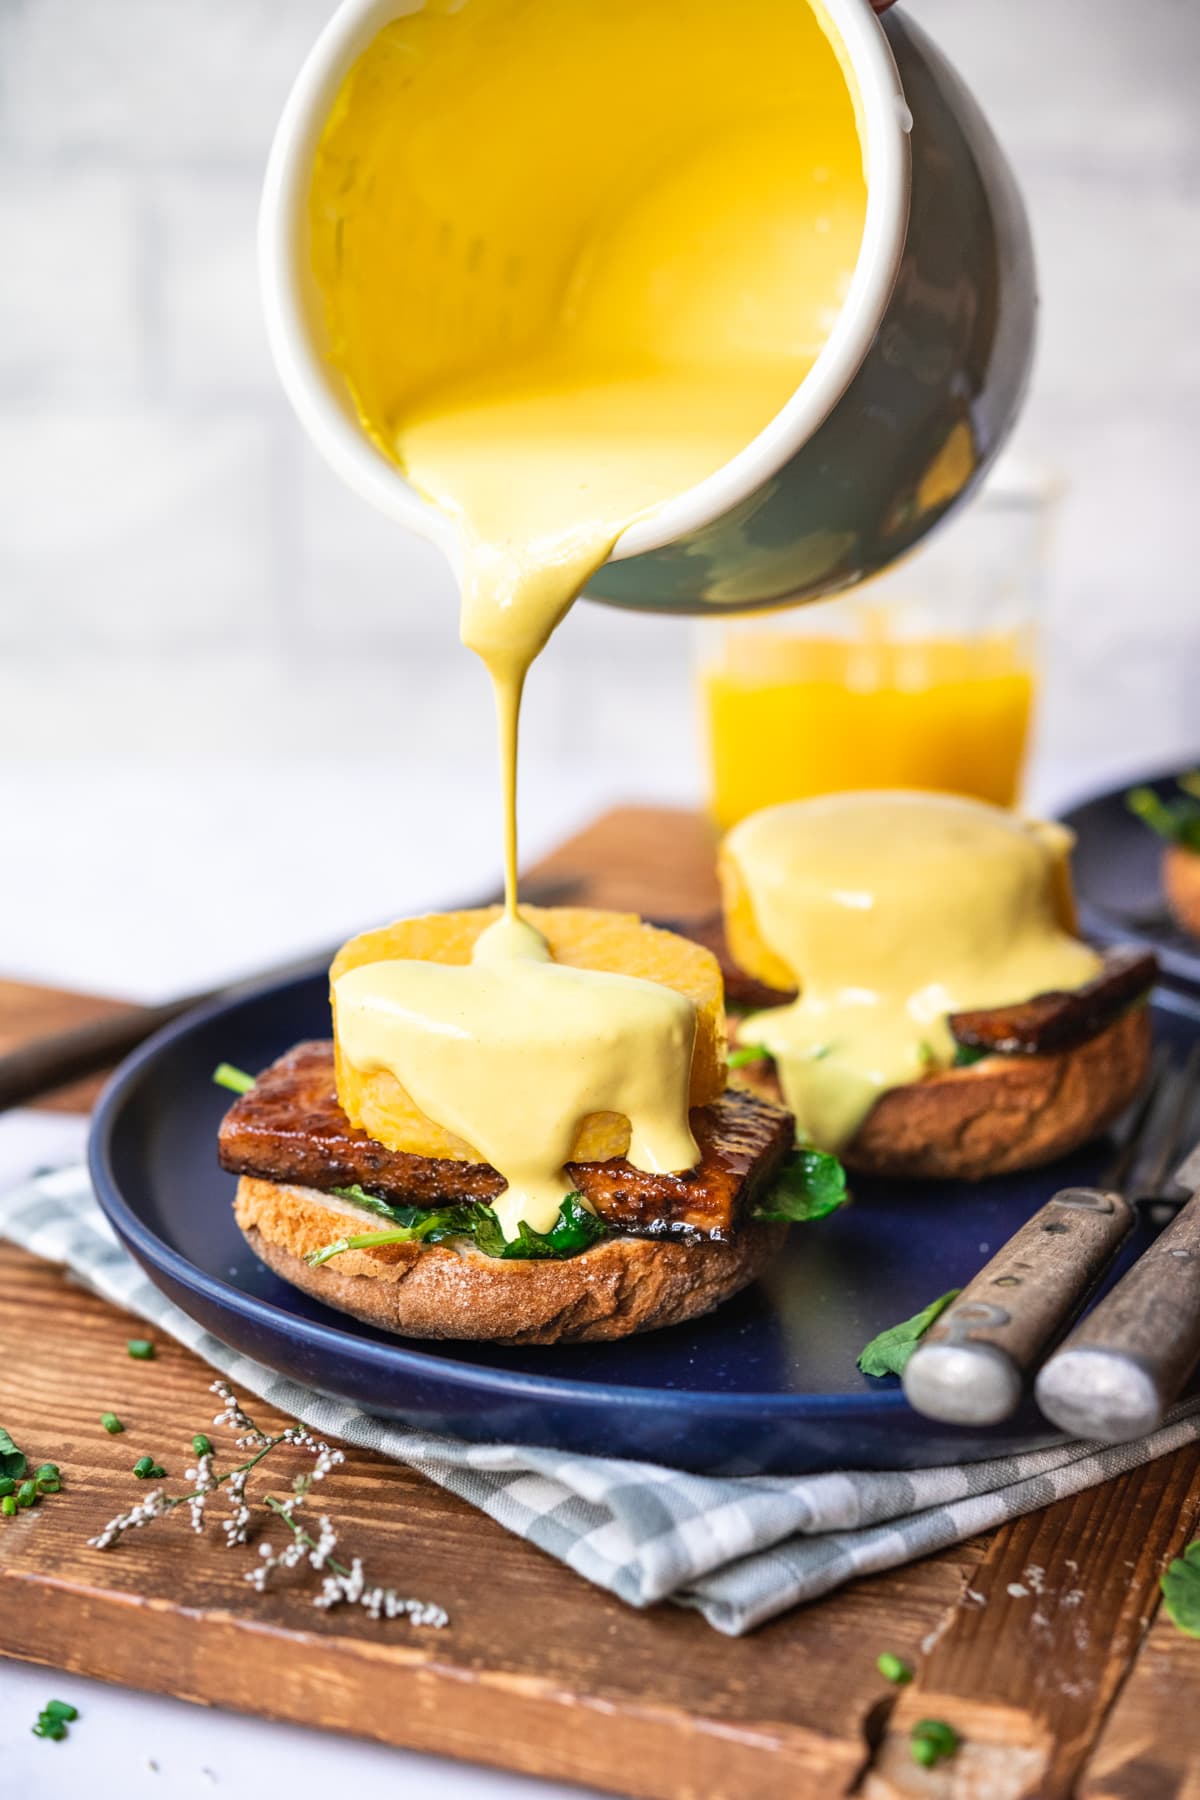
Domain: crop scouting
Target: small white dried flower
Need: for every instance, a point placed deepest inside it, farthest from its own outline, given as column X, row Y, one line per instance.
column 152, row 1507
column 339, row 1585
column 326, row 1544
column 234, row 1415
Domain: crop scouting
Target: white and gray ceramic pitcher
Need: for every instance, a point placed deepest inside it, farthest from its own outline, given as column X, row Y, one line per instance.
column 906, row 405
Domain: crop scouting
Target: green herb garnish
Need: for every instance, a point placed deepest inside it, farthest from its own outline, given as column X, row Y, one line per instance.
column 576, row 1228
column 888, row 1353
column 745, row 1054
column 893, row 1668
column 202, row 1444
column 966, row 1054
column 811, row 1185
column 141, row 1349
column 27, row 1494
column 932, row 1742
column 8, row 1505
column 372, row 1203
column 236, row 1080
column 146, row 1469
column 53, row 1720
column 1180, row 1584
column 12, row 1460
column 111, row 1423
column 1177, row 820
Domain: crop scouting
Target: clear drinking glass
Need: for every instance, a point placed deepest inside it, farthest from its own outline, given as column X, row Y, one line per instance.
column 923, row 678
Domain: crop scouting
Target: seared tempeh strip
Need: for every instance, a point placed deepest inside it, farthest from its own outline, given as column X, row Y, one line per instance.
column 1057, row 1021
column 290, row 1128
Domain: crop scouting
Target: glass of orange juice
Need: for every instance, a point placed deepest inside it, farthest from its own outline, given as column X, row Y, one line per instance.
column 923, row 678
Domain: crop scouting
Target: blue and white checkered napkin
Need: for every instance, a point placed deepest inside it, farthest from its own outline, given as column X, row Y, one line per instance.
column 739, row 1550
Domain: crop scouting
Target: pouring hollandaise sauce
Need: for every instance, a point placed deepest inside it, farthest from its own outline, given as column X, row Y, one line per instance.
column 572, row 261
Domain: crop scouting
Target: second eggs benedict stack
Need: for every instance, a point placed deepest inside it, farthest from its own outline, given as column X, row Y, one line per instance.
column 935, row 1013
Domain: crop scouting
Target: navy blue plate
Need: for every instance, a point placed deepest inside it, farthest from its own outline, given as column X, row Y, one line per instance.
column 1118, row 886
column 766, row 1383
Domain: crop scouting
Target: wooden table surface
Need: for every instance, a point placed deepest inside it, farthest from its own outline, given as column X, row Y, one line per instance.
column 1044, row 1644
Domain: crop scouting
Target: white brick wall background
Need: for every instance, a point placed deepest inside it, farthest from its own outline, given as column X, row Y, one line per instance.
column 177, row 570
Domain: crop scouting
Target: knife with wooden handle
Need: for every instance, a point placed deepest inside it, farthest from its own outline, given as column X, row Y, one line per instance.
column 975, row 1362
column 1125, row 1363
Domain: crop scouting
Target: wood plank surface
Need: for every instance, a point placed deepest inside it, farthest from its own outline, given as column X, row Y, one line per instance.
column 1043, row 1636
column 1150, row 1745
column 30, row 1012
column 538, row 1671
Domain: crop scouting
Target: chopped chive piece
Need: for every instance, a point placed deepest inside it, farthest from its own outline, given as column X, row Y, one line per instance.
column 143, row 1466
column 60, row 1709
column 50, row 1728
column 7, row 1485
column 47, row 1471
column 202, row 1445
column 893, row 1668
column 111, row 1423
column 932, row 1741
column 236, row 1080
column 141, row 1349
column 48, row 1484
column 8, row 1506
column 747, row 1053
column 27, row 1493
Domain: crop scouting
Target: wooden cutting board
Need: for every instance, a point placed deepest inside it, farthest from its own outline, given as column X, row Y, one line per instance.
column 1040, row 1644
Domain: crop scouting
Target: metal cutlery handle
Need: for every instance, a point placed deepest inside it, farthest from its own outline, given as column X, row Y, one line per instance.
column 973, row 1364
column 1122, row 1366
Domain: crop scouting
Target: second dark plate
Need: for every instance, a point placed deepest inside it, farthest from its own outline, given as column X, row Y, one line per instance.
column 1118, row 886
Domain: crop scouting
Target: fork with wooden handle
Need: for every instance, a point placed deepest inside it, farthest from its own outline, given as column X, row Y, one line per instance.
column 1124, row 1364
column 1130, row 1356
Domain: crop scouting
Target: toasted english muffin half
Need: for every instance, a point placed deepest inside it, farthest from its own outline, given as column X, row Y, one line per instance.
column 619, row 1286
column 998, row 1115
